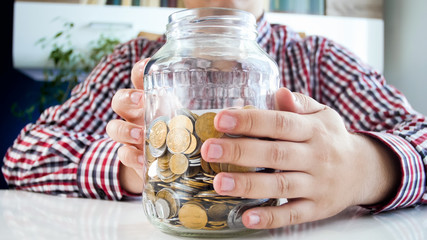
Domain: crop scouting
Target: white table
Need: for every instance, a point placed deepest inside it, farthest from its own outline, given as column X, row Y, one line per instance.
column 25, row 215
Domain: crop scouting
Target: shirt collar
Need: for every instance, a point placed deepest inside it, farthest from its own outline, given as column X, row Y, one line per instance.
column 264, row 29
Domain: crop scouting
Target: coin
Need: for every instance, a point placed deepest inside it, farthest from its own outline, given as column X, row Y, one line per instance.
column 218, row 212
column 206, row 167
column 241, row 169
column 193, row 145
column 163, row 161
column 158, row 134
column 172, row 198
column 150, row 158
column 150, row 210
column 249, row 107
column 178, row 163
column 205, row 127
column 178, row 140
column 216, row 167
column 157, row 152
column 192, row 215
column 162, row 208
column 181, row 121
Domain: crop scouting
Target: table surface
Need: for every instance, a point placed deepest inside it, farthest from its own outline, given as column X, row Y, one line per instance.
column 25, row 215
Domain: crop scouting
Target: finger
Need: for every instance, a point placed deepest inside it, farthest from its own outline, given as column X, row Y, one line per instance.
column 125, row 132
column 296, row 102
column 132, row 157
column 294, row 212
column 137, row 74
column 264, row 185
column 265, row 123
column 281, row 155
column 128, row 104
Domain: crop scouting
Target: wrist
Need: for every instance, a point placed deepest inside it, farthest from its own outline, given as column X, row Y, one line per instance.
column 381, row 171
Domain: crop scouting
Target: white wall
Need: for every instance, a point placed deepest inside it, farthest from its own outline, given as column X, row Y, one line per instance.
column 405, row 56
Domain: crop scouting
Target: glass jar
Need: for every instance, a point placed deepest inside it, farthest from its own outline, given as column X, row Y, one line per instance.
column 210, row 61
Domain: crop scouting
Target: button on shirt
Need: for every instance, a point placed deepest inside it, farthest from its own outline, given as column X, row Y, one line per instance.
column 67, row 150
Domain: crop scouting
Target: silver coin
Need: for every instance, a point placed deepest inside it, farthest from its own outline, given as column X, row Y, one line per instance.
column 149, row 208
column 162, row 208
column 157, row 152
column 152, row 171
column 183, row 187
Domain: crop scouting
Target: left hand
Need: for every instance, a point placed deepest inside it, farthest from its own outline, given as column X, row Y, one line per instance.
column 324, row 167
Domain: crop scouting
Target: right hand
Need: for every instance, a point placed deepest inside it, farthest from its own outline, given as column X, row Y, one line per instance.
column 128, row 104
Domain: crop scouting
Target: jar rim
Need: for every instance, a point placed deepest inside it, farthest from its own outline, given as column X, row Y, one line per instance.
column 228, row 21
column 209, row 12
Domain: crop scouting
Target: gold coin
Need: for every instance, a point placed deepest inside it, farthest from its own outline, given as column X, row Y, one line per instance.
column 216, row 167
column 193, row 145
column 218, row 212
column 181, row 121
column 178, row 163
column 192, row 215
column 223, row 167
column 158, row 134
column 249, row 107
column 163, row 161
column 206, row 167
column 241, row 169
column 205, row 127
column 178, row 140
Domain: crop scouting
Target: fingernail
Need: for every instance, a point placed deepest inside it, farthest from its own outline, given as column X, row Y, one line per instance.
column 135, row 97
column 254, row 219
column 227, row 122
column 136, row 133
column 142, row 65
column 227, row 183
column 215, row 151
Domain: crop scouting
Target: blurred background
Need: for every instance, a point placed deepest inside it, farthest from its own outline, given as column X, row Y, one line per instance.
column 61, row 43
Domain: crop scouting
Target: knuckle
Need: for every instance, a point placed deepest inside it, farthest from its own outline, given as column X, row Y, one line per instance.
column 236, row 153
column 270, row 220
column 282, row 183
column 123, row 155
column 278, row 154
column 110, row 129
column 249, row 121
column 116, row 102
column 281, row 123
column 294, row 216
column 248, row 186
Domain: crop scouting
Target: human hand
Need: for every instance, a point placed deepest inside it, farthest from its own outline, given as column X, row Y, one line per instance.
column 128, row 104
column 323, row 167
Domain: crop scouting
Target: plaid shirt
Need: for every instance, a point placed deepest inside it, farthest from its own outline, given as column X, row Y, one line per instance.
column 67, row 151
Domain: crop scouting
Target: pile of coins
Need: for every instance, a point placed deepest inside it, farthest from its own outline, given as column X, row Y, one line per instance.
column 179, row 190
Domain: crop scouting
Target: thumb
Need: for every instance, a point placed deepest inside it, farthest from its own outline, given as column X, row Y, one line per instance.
column 137, row 74
column 296, row 102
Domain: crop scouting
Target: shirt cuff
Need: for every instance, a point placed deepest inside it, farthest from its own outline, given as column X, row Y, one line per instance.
column 98, row 171
column 412, row 184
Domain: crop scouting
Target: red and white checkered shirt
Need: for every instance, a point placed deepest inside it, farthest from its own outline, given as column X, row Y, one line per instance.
column 67, row 151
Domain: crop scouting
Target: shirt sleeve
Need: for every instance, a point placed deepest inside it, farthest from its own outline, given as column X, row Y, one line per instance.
column 67, row 151
column 370, row 106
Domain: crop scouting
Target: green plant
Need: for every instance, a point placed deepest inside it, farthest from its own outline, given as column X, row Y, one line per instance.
column 68, row 66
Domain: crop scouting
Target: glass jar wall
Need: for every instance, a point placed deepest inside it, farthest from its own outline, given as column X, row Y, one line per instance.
column 211, row 61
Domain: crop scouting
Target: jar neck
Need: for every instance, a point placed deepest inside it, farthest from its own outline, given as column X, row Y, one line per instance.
column 212, row 23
